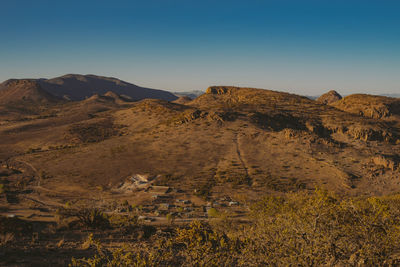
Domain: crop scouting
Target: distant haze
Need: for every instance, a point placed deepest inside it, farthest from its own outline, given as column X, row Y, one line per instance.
column 304, row 47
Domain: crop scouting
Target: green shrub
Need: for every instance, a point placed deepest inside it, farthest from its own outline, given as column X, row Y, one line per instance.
column 212, row 213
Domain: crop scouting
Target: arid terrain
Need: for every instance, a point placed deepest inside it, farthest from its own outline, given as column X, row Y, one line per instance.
column 175, row 160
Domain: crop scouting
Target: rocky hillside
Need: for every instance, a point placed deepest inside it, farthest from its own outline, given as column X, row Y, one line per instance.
column 370, row 105
column 277, row 110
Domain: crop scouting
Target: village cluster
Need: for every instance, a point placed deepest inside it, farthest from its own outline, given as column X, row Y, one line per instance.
column 166, row 203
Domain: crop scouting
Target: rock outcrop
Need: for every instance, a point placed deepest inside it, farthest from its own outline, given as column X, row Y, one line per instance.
column 388, row 162
column 371, row 106
column 329, row 97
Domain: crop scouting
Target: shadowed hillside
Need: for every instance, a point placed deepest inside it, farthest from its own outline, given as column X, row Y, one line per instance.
column 78, row 87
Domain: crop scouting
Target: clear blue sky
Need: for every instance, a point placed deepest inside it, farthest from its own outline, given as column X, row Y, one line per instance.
column 301, row 46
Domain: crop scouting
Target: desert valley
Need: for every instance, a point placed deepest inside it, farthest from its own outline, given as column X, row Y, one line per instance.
column 86, row 158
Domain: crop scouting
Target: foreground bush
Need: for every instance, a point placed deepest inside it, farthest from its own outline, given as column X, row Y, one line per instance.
column 86, row 217
column 323, row 230
column 294, row 230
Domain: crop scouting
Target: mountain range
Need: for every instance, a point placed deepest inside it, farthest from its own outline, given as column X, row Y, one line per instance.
column 78, row 87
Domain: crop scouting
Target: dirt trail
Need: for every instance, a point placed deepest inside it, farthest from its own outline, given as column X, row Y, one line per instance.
column 35, row 171
column 236, row 141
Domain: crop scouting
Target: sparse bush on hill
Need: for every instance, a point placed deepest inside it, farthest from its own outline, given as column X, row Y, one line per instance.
column 204, row 190
column 94, row 132
column 117, row 149
column 232, row 176
column 282, row 184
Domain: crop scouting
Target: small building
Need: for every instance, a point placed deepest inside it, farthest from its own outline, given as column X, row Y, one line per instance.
column 233, row 203
column 183, row 201
column 164, row 206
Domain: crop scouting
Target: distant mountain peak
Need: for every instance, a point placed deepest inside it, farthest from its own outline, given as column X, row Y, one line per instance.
column 329, row 97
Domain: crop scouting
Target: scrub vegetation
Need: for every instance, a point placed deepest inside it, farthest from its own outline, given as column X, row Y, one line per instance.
column 294, row 229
